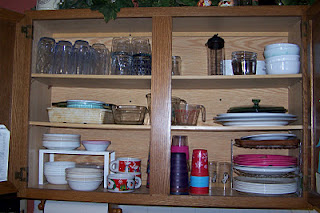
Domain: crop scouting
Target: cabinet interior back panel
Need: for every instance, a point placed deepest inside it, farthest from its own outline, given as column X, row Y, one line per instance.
column 193, row 51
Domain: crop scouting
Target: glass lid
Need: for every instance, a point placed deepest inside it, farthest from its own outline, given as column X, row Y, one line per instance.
column 257, row 108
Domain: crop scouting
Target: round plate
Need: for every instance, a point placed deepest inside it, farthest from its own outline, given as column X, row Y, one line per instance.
column 269, row 137
column 265, row 170
column 248, row 115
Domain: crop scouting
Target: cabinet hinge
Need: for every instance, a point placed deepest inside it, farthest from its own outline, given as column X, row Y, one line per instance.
column 22, row 175
column 27, row 30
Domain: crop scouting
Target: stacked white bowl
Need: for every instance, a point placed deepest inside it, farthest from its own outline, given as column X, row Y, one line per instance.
column 61, row 141
column 96, row 145
column 55, row 172
column 282, row 58
column 84, row 179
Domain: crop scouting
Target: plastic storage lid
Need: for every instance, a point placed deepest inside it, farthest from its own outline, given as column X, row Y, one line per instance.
column 257, row 108
column 215, row 42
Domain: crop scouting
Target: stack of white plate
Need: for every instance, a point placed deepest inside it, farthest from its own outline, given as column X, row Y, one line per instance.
column 61, row 141
column 265, row 185
column 255, row 119
column 84, row 179
column 55, row 171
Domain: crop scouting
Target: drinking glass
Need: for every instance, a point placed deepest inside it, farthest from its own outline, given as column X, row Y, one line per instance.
column 45, row 55
column 141, row 64
column 213, row 165
column 224, row 175
column 121, row 57
column 81, row 57
column 63, row 58
column 244, row 63
column 176, row 65
column 100, row 59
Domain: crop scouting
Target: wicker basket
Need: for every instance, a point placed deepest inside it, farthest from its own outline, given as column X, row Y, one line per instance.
column 80, row 115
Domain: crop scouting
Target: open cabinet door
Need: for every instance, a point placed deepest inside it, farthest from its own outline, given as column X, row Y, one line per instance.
column 313, row 14
column 8, row 27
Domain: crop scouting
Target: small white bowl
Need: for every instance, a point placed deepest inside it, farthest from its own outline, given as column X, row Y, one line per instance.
column 60, row 164
column 95, row 145
column 279, row 45
column 84, row 185
column 283, row 67
column 84, row 171
column 283, row 58
column 281, row 50
column 56, row 179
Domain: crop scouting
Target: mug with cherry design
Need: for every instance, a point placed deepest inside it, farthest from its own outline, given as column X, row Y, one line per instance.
column 126, row 165
column 123, row 182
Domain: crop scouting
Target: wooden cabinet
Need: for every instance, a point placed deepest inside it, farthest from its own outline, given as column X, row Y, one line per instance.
column 179, row 31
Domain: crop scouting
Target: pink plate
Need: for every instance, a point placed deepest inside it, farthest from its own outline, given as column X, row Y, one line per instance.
column 265, row 164
column 261, row 157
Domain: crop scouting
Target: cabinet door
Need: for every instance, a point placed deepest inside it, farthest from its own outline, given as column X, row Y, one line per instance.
column 8, row 22
column 314, row 14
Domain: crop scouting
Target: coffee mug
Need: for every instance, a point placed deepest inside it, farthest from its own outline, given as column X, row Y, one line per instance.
column 137, row 176
column 124, row 182
column 126, row 165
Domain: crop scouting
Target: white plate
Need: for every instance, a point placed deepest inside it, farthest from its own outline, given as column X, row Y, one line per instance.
column 256, row 119
column 255, row 123
column 265, row 170
column 268, row 137
column 249, row 114
column 265, row 185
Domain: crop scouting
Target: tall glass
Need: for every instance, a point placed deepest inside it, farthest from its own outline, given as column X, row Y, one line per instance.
column 63, row 58
column 100, row 59
column 45, row 55
column 141, row 64
column 121, row 56
column 81, row 57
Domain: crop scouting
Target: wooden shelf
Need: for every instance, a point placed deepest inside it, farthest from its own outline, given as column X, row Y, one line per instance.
column 218, row 198
column 173, row 128
column 91, row 126
column 95, row 81
column 178, row 82
column 239, row 82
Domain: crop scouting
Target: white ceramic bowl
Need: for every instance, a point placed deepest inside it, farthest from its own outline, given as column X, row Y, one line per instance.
column 281, row 50
column 84, row 176
column 283, row 58
column 61, row 137
column 84, row 171
column 60, row 164
column 278, row 45
column 56, row 179
column 61, row 145
column 98, row 146
column 84, row 185
column 283, row 67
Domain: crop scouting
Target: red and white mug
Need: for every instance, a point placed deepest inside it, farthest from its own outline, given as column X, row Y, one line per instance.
column 126, row 165
column 123, row 182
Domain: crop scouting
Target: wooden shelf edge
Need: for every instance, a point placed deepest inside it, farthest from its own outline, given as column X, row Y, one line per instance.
column 7, row 187
column 170, row 200
column 173, row 128
column 149, row 12
column 91, row 126
column 235, row 128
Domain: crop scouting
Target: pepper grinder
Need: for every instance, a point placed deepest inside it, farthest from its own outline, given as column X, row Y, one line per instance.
column 215, row 55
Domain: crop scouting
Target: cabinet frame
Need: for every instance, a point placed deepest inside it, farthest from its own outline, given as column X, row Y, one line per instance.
column 162, row 24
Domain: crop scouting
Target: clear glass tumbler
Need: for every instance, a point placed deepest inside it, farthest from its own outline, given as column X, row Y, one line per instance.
column 45, row 55
column 244, row 63
column 100, row 59
column 81, row 57
column 63, row 58
column 141, row 62
column 121, row 56
column 176, row 65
